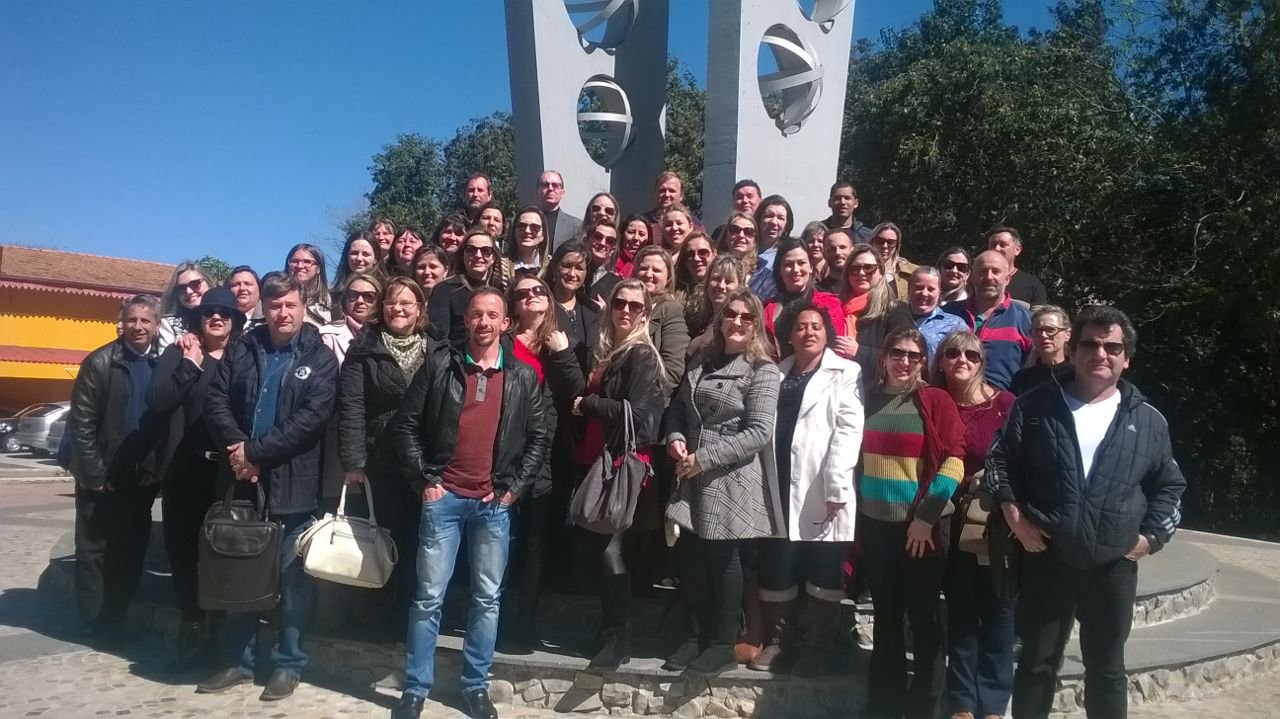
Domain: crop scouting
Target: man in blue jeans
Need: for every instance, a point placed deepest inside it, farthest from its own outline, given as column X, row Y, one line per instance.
column 472, row 435
column 268, row 406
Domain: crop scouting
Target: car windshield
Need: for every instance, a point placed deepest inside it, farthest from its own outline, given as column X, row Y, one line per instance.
column 41, row 410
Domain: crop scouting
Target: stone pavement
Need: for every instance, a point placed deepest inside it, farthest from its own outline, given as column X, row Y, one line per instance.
column 45, row 672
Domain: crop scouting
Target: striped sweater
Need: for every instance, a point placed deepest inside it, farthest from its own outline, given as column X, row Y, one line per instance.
column 894, row 460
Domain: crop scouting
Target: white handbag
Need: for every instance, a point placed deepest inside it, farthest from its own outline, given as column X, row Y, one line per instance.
column 349, row 550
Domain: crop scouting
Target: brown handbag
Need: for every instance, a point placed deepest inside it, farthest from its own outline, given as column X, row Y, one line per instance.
column 975, row 507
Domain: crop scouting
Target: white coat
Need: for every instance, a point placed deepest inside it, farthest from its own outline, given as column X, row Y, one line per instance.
column 825, row 450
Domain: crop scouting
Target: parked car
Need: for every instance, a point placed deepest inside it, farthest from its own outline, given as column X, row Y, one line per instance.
column 9, row 425
column 54, row 438
column 33, row 429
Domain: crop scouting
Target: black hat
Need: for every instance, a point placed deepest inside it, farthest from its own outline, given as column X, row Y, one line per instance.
column 222, row 298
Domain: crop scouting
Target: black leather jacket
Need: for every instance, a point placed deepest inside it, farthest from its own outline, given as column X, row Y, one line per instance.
column 101, row 450
column 425, row 430
column 373, row 387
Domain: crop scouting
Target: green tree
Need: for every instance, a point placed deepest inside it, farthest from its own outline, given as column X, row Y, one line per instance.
column 408, row 181
column 216, row 269
column 488, row 145
column 686, row 105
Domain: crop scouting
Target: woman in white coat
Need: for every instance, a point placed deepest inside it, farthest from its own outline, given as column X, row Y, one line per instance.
column 818, row 436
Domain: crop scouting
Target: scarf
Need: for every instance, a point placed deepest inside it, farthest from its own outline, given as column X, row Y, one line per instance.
column 853, row 309
column 406, row 351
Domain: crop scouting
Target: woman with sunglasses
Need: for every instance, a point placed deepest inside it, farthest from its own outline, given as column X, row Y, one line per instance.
column 306, row 262
column 912, row 462
column 601, row 239
column 719, row 432
column 527, row 246
column 380, row 363
column 723, row 276
column 870, row 312
column 979, row 623
column 625, row 366
column 602, row 207
column 692, row 265
column 794, row 278
column 179, row 303
column 477, row 264
column 399, row 262
column 187, row 459
column 635, row 234
column 954, row 265
column 431, row 266
column 449, row 233
column 1050, row 333
column 739, row 240
column 820, row 397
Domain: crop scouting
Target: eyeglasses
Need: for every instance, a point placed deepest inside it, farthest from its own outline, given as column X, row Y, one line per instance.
column 1047, row 330
column 701, row 253
column 402, row 306
column 631, row 306
column 480, row 250
column 550, row 185
column 884, row 242
column 530, row 226
column 973, row 356
column 368, row 297
column 528, row 293
column 1114, row 349
column 302, row 262
column 196, row 285
column 957, row 266
column 601, row 237
column 732, row 316
column 898, row 354
column 744, row 230
column 603, row 210
column 867, row 269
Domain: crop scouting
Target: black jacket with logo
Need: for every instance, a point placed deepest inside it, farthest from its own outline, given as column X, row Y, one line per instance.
column 289, row 454
column 1134, row 485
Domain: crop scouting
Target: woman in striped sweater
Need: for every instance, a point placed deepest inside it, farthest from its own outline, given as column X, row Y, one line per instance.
column 912, row 462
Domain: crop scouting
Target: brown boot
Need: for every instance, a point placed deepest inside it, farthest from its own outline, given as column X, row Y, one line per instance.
column 817, row 622
column 751, row 638
column 775, row 616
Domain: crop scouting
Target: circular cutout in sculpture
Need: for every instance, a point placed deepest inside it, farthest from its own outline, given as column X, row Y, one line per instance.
column 823, row 12
column 604, row 120
column 790, row 93
column 601, row 23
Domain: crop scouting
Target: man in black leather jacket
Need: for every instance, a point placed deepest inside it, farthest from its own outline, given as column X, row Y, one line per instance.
column 472, row 435
column 112, row 440
column 268, row 406
column 1085, row 476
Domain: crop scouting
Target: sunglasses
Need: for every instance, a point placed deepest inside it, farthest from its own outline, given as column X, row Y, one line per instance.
column 219, row 312
column 194, row 285
column 958, row 266
column 746, row 317
column 741, row 230
column 702, row 253
column 973, row 356
column 368, row 297
column 1114, row 349
column 551, row 185
column 530, row 226
column 630, row 306
column 1047, row 330
column 883, row 242
column 604, row 210
column 527, row 293
column 599, row 237
column 898, row 354
column 867, row 269
column 478, row 250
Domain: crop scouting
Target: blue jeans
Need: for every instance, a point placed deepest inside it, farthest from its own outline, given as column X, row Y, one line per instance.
column 979, row 639
column 297, row 595
column 488, row 529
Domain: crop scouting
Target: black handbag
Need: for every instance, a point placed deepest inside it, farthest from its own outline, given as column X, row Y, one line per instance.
column 239, row 556
column 605, row 501
column 1006, row 556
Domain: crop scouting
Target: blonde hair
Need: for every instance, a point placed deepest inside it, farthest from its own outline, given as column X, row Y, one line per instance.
column 961, row 340
column 655, row 250
column 911, row 334
column 607, row 350
column 757, row 349
column 749, row 259
column 878, row 297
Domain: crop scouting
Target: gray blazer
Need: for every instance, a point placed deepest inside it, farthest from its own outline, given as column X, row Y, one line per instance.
column 565, row 226
column 726, row 417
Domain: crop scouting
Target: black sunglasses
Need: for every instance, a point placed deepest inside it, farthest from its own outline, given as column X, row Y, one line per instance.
column 973, row 356
column 631, row 306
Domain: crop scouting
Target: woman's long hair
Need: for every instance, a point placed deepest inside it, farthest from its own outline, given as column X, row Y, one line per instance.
column 791, row 244
column 513, row 236
column 657, row 251
column 496, row 276
column 607, row 350
column 344, row 269
column 339, row 309
column 392, row 265
column 698, row 310
column 910, row 334
column 757, row 349
column 878, row 297
column 316, row 290
column 750, row 258
column 171, row 300
column 962, row 341
column 549, row 323
column 770, row 201
column 685, row 281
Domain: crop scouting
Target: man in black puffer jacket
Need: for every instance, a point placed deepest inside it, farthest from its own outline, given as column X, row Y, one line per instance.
column 1085, row 476
column 472, row 435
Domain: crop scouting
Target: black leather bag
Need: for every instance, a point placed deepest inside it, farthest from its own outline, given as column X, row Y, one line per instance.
column 239, row 556
column 1006, row 556
column 605, row 500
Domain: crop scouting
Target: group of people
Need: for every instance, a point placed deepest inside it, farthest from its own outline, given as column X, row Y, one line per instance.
column 819, row 418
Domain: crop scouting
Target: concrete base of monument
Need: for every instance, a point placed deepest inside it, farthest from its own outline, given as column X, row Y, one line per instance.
column 1199, row 626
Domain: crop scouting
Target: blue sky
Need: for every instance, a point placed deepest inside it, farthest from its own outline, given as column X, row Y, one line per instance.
column 167, row 129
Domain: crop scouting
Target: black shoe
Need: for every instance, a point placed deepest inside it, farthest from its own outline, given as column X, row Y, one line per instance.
column 223, row 680
column 279, row 686
column 715, row 660
column 615, row 653
column 477, row 704
column 409, row 707
column 195, row 653
column 679, row 660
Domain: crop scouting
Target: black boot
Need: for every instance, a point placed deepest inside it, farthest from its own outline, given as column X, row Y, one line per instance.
column 691, row 647
column 616, row 613
column 719, row 657
column 818, row 620
column 194, row 650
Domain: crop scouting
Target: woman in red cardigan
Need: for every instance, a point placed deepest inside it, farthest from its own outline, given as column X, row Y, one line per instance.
column 793, row 274
column 912, row 462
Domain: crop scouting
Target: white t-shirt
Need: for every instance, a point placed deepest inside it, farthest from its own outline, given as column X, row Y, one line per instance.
column 1092, row 421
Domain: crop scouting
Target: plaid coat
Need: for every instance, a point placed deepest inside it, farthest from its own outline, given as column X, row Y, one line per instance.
column 726, row 417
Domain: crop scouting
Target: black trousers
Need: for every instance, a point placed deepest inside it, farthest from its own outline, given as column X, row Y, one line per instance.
column 786, row 565
column 113, row 529
column 1051, row 596
column 399, row 510
column 711, row 585
column 902, row 587
column 184, row 503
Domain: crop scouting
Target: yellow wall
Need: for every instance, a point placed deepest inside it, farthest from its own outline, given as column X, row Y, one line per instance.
column 19, row 393
column 33, row 318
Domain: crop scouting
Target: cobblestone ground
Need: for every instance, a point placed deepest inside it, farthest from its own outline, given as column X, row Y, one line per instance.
column 45, row 673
